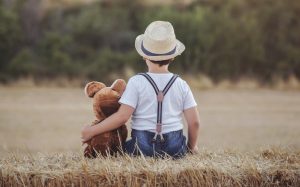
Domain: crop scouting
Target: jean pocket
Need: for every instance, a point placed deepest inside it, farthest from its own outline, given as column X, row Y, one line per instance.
column 176, row 145
column 143, row 141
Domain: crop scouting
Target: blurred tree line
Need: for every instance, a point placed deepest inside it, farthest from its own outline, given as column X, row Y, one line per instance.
column 229, row 39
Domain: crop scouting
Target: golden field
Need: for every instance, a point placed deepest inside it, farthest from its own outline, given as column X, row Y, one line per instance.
column 249, row 137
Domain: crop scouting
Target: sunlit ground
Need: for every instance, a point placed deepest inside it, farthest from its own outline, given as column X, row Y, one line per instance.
column 50, row 119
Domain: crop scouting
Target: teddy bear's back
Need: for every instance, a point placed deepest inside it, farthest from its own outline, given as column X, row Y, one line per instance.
column 105, row 103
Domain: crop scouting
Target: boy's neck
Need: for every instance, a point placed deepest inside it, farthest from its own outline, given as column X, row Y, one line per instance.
column 157, row 69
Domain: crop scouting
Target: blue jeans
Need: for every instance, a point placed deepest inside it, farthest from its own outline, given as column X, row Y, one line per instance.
column 140, row 142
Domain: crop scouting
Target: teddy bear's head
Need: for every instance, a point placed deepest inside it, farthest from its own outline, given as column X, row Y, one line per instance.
column 105, row 99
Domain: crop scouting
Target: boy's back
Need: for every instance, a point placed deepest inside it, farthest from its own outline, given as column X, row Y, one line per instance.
column 140, row 95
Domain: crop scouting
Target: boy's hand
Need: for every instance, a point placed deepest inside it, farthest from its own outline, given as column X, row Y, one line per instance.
column 193, row 150
column 86, row 133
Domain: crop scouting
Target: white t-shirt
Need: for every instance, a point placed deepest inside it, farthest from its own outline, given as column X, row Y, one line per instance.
column 140, row 95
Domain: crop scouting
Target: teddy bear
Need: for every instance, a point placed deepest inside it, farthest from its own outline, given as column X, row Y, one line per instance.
column 105, row 103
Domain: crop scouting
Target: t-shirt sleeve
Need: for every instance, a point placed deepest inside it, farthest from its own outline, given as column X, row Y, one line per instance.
column 130, row 95
column 189, row 100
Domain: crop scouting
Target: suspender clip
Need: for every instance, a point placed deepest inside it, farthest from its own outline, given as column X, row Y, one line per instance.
column 154, row 138
column 161, row 138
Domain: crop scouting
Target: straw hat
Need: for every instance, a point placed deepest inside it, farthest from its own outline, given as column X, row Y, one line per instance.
column 158, row 42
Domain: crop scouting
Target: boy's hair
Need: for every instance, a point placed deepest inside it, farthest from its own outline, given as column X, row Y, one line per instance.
column 162, row 62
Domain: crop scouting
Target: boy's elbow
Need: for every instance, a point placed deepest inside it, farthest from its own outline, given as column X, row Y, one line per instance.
column 195, row 125
column 123, row 118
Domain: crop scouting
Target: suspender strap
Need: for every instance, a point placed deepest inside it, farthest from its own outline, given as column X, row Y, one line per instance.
column 151, row 81
column 160, row 96
column 167, row 87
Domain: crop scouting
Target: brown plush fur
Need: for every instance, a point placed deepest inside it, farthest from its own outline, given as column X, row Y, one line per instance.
column 105, row 103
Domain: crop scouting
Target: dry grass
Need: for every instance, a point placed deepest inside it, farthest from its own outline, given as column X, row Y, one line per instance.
column 271, row 167
column 248, row 138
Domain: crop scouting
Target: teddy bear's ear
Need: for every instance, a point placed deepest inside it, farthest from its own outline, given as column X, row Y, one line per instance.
column 92, row 87
column 119, row 86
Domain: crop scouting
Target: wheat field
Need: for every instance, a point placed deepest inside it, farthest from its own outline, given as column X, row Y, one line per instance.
column 247, row 138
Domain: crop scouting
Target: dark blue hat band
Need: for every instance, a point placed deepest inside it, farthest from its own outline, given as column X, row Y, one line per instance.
column 148, row 53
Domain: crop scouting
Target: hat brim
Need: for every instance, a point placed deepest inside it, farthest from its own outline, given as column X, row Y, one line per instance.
column 138, row 46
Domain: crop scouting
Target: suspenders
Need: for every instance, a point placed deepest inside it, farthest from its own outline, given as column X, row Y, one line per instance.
column 160, row 97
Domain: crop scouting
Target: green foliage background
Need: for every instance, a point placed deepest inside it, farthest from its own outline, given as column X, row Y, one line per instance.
column 229, row 39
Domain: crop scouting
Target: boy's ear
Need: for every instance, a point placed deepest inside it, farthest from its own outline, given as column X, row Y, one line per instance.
column 93, row 87
column 119, row 86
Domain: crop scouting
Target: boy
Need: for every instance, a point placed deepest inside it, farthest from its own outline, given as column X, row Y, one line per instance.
column 155, row 100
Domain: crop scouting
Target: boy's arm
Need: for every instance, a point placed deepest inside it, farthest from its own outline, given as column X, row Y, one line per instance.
column 112, row 122
column 192, row 117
